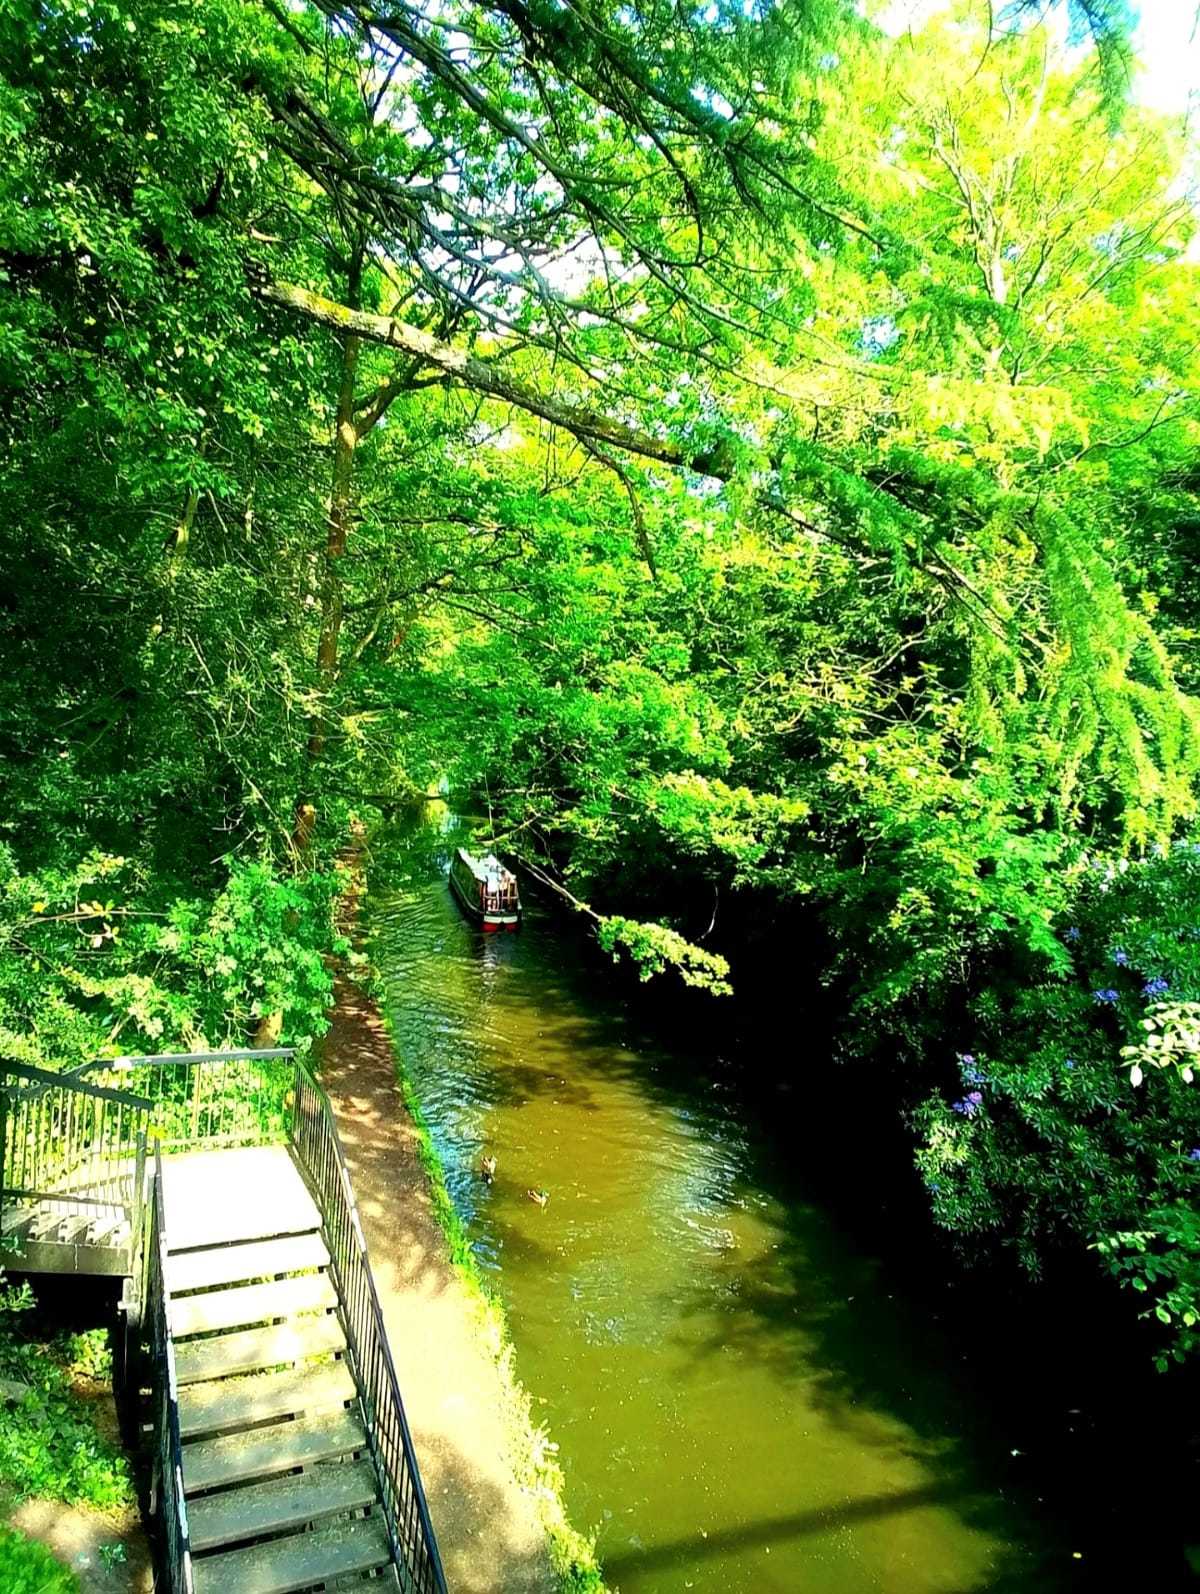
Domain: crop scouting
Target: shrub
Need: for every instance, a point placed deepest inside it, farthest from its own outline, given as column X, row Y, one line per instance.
column 1073, row 1107
column 28, row 1568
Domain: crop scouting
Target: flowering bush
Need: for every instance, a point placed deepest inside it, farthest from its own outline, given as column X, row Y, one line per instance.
column 1076, row 1113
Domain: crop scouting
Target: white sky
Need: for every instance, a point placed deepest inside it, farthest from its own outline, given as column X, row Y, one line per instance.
column 1168, row 45
column 1167, row 41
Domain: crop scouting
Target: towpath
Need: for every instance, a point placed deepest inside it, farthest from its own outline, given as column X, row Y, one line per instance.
column 486, row 1523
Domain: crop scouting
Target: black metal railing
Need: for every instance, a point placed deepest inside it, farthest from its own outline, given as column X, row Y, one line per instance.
column 270, row 1097
column 61, row 1134
column 318, row 1151
column 168, row 1504
column 232, row 1098
column 72, row 1147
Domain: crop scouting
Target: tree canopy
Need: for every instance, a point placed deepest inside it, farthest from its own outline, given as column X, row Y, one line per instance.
column 755, row 451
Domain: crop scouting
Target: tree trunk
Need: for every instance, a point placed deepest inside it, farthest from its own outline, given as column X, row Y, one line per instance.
column 183, row 528
column 341, row 502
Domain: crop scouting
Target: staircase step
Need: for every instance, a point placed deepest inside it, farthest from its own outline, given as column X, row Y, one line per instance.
column 46, row 1223
column 255, row 1349
column 15, row 1223
column 239, row 1402
column 236, row 1264
column 288, row 1565
column 263, row 1452
column 281, row 1504
column 225, row 1197
column 252, row 1303
column 110, row 1230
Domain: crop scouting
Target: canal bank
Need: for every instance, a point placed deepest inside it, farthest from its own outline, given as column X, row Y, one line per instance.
column 489, row 1469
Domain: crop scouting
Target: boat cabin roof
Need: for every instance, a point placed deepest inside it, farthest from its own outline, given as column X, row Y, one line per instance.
column 489, row 869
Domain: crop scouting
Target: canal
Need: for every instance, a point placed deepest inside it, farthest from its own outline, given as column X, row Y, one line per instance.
column 747, row 1394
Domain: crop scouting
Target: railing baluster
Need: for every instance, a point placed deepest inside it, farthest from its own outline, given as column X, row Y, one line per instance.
column 318, row 1149
column 59, row 1130
column 168, row 1460
column 64, row 1141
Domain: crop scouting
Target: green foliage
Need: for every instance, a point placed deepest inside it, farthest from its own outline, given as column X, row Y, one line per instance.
column 112, row 1555
column 653, row 948
column 50, row 1445
column 1049, row 1136
column 27, row 1568
column 1172, row 1040
column 99, row 959
column 88, row 1355
column 925, row 308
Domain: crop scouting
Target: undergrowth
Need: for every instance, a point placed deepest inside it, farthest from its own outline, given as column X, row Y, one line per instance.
column 27, row 1568
column 50, row 1445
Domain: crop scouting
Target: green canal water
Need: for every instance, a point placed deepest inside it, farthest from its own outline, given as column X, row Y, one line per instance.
column 745, row 1397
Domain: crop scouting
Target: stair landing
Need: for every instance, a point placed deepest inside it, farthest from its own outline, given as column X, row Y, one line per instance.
column 221, row 1197
column 280, row 1488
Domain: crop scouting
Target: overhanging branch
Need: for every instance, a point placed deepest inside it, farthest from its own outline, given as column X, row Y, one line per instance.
column 489, row 379
column 589, row 425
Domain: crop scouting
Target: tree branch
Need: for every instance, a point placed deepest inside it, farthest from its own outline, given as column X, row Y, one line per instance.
column 489, row 379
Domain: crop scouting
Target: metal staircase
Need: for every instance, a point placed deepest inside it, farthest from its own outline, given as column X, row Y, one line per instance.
column 72, row 1156
column 280, row 1453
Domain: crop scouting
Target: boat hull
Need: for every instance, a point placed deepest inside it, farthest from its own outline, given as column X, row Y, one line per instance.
column 489, row 922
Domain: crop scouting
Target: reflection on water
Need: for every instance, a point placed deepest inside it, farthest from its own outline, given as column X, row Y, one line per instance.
column 742, row 1399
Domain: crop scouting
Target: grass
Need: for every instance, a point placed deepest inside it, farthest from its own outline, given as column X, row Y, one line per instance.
column 27, row 1568
column 532, row 1452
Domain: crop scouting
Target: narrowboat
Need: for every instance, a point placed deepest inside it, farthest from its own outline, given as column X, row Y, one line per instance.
column 486, row 890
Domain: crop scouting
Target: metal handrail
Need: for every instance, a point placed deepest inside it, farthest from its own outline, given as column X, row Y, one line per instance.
column 71, row 1081
column 311, row 1131
column 318, row 1149
column 256, row 1054
column 73, row 1145
column 230, row 1098
column 168, row 1442
column 239, row 1103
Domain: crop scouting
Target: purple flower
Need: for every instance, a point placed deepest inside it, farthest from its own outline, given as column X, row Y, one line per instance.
column 1108, row 996
column 1194, row 1154
column 1074, row 933
column 1070, row 1063
column 935, row 1188
column 1155, row 987
column 1120, row 957
column 969, row 1107
column 972, row 1074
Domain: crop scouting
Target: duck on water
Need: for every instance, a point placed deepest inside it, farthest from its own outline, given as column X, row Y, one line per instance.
column 486, row 890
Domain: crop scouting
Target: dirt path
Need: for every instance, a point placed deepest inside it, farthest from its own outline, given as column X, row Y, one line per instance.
column 486, row 1524
column 107, row 1551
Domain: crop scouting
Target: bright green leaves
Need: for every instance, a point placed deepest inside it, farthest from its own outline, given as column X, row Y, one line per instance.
column 82, row 978
column 1114, row 703
column 1161, row 1260
column 708, row 819
column 654, row 948
column 1171, row 1040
